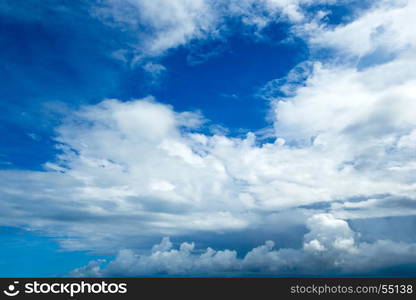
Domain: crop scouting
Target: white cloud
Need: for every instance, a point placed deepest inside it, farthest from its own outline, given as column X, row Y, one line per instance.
column 175, row 22
column 160, row 25
column 330, row 243
column 168, row 23
column 155, row 71
column 384, row 29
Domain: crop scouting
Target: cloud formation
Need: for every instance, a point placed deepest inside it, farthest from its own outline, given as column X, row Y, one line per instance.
column 329, row 247
column 344, row 140
column 170, row 24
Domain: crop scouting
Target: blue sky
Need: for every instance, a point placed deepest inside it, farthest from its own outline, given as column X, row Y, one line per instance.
column 279, row 133
column 57, row 60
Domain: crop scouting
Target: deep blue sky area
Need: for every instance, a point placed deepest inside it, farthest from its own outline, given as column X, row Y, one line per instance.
column 51, row 60
column 28, row 254
column 225, row 89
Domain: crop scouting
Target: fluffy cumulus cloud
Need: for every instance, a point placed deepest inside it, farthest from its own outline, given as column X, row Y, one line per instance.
column 344, row 148
column 329, row 247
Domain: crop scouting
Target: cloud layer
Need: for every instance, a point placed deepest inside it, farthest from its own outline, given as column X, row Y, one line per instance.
column 330, row 247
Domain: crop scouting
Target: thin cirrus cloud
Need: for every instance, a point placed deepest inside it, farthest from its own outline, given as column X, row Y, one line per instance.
column 344, row 148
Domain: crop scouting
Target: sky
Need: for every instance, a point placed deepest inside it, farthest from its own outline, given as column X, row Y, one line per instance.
column 207, row 138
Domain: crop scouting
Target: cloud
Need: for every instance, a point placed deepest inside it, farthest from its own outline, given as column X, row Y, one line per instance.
column 168, row 23
column 385, row 28
column 154, row 70
column 156, row 26
column 329, row 244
